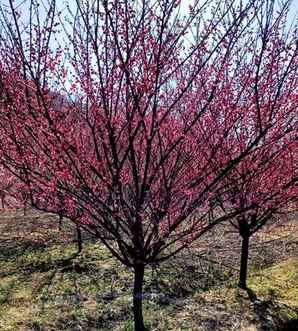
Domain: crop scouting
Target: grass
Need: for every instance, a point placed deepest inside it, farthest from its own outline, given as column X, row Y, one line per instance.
column 279, row 282
column 50, row 288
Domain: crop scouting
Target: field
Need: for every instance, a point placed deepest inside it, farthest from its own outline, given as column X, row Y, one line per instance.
column 45, row 285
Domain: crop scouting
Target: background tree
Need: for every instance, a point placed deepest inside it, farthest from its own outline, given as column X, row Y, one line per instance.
column 269, row 183
column 267, row 178
column 153, row 96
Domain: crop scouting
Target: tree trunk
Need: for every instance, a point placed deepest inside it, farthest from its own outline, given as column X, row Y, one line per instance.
column 79, row 239
column 243, row 263
column 60, row 222
column 2, row 201
column 138, row 297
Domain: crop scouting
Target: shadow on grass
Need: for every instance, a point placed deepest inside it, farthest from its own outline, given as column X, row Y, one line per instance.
column 252, row 295
column 289, row 326
column 63, row 264
column 183, row 276
column 7, row 252
column 271, row 313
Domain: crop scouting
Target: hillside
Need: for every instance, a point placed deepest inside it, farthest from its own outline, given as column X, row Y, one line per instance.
column 46, row 286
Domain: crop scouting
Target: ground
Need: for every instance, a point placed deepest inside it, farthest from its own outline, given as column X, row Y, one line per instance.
column 45, row 285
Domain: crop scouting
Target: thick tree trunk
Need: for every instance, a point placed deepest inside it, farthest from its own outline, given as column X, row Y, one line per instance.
column 244, row 261
column 138, row 297
column 79, row 239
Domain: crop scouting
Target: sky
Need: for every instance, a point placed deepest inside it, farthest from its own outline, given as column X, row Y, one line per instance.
column 24, row 5
column 72, row 3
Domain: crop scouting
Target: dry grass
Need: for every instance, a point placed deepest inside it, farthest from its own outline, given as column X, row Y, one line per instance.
column 44, row 286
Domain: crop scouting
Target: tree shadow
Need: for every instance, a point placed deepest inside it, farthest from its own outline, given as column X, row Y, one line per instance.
column 289, row 326
column 9, row 251
column 270, row 313
column 63, row 265
column 251, row 294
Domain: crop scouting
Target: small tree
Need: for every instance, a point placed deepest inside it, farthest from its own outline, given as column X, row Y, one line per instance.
column 152, row 98
column 268, row 182
column 265, row 182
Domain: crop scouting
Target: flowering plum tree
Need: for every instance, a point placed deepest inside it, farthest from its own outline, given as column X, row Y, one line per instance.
column 268, row 182
column 153, row 95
